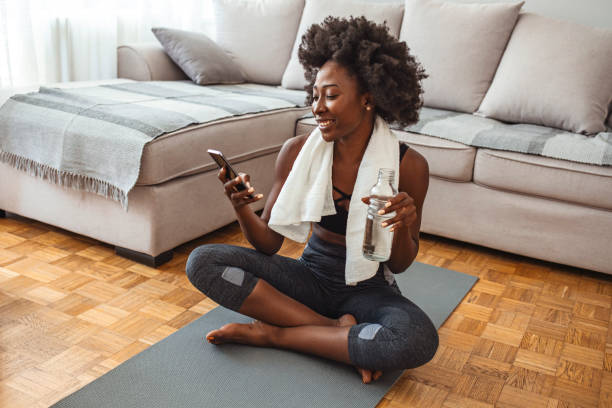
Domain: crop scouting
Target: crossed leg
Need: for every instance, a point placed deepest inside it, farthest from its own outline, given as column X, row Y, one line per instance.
column 284, row 318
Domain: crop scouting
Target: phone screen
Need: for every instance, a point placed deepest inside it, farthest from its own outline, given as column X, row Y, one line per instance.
column 230, row 173
column 221, row 162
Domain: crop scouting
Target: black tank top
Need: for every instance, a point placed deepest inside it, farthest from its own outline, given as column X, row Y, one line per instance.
column 337, row 222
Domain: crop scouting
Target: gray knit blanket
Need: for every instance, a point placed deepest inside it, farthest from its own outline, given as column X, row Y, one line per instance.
column 92, row 138
column 523, row 138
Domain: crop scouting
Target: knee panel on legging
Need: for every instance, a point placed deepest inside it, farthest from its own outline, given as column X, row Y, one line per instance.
column 404, row 344
column 211, row 269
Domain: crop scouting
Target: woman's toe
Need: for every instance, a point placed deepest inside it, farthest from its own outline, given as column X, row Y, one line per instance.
column 366, row 375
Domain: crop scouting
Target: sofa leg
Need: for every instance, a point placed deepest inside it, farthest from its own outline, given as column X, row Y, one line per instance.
column 148, row 260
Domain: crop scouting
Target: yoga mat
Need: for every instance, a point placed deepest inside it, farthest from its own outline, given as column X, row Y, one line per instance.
column 183, row 370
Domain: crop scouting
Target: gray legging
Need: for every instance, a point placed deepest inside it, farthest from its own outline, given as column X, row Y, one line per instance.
column 392, row 332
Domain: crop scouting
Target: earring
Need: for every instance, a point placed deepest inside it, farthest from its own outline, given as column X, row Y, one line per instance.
column 369, row 108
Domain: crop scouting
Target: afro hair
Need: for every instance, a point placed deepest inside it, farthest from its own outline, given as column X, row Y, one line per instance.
column 381, row 64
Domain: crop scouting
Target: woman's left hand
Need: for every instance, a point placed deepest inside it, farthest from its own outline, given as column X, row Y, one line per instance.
column 405, row 210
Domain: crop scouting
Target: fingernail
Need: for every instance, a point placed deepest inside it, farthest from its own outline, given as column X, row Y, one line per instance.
column 384, row 224
column 259, row 195
column 388, row 204
column 381, row 211
column 251, row 190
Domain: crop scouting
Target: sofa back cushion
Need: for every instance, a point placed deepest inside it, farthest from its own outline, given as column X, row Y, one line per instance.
column 553, row 73
column 258, row 35
column 315, row 12
column 199, row 57
column 460, row 46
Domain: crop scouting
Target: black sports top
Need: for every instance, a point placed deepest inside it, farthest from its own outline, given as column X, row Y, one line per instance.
column 337, row 222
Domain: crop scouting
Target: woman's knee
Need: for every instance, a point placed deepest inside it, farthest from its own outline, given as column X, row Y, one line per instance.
column 417, row 344
column 422, row 348
column 216, row 271
column 396, row 346
column 202, row 262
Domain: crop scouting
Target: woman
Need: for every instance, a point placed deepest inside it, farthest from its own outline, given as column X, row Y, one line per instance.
column 357, row 72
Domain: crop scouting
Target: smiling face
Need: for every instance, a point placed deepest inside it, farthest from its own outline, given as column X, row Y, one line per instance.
column 339, row 107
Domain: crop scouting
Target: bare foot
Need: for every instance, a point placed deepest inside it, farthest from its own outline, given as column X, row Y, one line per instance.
column 256, row 333
column 367, row 376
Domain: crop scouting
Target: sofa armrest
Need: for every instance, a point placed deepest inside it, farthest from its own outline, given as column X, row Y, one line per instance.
column 146, row 62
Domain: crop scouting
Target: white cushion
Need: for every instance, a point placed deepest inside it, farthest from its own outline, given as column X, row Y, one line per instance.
column 315, row 12
column 459, row 45
column 553, row 73
column 258, row 35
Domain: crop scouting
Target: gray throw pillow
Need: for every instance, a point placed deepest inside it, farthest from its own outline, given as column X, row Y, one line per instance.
column 199, row 57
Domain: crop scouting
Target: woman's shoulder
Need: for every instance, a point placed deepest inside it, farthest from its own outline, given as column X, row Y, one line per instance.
column 289, row 152
column 294, row 144
column 414, row 171
column 413, row 160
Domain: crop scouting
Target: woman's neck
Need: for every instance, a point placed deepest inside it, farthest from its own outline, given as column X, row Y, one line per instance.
column 351, row 148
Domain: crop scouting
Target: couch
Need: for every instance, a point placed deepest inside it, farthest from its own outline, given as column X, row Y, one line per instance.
column 542, row 207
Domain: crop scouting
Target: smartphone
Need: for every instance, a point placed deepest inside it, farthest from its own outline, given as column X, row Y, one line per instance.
column 230, row 173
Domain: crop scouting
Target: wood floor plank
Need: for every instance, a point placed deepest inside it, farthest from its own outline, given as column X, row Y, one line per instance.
column 434, row 376
column 584, row 355
column 415, row 394
column 502, row 334
column 511, row 397
column 529, row 333
column 530, row 380
column 457, row 401
column 536, row 362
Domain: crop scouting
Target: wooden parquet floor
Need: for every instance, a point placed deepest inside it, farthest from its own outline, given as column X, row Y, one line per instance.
column 529, row 334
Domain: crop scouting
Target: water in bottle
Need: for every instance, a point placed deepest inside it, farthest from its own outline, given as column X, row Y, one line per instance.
column 377, row 239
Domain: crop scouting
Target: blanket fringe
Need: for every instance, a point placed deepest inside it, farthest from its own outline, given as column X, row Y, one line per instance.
column 65, row 179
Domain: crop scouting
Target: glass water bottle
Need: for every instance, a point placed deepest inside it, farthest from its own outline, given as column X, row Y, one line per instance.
column 377, row 239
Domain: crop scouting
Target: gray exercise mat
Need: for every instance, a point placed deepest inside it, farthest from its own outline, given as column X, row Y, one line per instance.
column 183, row 370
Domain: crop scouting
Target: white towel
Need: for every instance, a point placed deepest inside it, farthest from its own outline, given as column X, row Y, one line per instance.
column 306, row 195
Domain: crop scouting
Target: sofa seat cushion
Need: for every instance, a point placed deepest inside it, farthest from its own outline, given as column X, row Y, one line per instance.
column 447, row 159
column 585, row 184
column 240, row 138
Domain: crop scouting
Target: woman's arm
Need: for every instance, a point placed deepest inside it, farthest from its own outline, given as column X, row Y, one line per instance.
column 408, row 203
column 256, row 229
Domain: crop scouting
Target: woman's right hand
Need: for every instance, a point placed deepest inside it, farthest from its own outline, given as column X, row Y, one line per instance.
column 238, row 198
